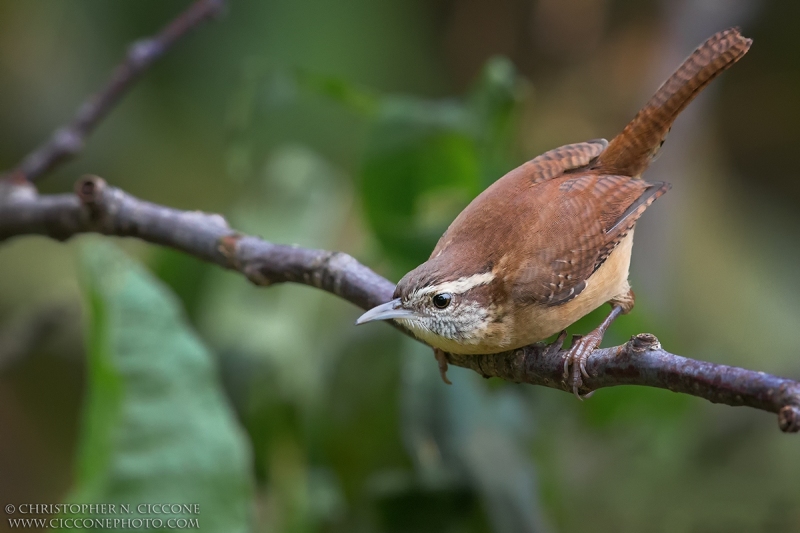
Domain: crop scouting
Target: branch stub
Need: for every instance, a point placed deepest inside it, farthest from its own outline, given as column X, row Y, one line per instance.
column 644, row 342
column 789, row 419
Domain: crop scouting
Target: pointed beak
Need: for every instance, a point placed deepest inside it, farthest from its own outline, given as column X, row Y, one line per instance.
column 386, row 311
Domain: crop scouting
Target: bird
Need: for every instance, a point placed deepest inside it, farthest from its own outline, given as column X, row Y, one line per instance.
column 551, row 240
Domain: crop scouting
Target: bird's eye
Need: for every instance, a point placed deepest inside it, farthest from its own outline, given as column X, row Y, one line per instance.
column 442, row 300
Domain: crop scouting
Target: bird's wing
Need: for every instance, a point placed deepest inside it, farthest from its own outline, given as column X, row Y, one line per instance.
column 579, row 230
column 555, row 162
column 541, row 169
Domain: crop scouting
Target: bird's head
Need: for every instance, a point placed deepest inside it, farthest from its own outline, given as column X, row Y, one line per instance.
column 451, row 312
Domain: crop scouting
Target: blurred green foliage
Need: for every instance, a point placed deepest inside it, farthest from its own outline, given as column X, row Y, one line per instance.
column 156, row 426
column 425, row 160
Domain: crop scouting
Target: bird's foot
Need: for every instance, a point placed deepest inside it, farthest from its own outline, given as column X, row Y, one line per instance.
column 582, row 347
column 441, row 358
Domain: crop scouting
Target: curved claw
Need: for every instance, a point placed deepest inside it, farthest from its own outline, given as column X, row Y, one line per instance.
column 577, row 393
column 441, row 358
column 582, row 365
column 578, row 354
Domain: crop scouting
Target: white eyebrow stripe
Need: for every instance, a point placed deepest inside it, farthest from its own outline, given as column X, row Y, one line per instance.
column 459, row 285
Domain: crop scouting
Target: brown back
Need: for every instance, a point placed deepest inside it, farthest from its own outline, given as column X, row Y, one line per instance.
column 556, row 219
column 571, row 224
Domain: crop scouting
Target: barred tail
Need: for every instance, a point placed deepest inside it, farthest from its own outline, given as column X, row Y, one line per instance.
column 631, row 151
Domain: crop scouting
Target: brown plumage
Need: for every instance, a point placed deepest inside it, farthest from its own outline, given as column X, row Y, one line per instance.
column 631, row 151
column 551, row 240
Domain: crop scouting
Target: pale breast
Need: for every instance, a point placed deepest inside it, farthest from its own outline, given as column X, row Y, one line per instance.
column 537, row 322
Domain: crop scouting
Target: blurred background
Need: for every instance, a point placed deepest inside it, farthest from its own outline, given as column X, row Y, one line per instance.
column 365, row 127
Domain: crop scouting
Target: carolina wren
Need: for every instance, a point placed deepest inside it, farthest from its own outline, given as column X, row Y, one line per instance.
column 551, row 240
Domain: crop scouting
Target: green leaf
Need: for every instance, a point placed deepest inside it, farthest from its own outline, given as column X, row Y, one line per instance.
column 184, row 274
column 426, row 159
column 157, row 427
column 350, row 95
column 420, row 169
column 495, row 102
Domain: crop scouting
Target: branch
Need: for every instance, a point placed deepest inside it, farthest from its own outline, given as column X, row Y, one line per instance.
column 98, row 208
column 68, row 140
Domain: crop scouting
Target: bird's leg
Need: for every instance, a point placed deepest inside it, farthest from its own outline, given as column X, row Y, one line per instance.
column 583, row 346
column 441, row 358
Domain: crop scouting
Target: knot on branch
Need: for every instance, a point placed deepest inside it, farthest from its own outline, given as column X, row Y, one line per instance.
column 227, row 246
column 90, row 191
column 644, row 342
column 789, row 419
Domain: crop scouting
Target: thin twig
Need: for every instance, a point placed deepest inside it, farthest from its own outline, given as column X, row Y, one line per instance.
column 68, row 140
column 99, row 208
